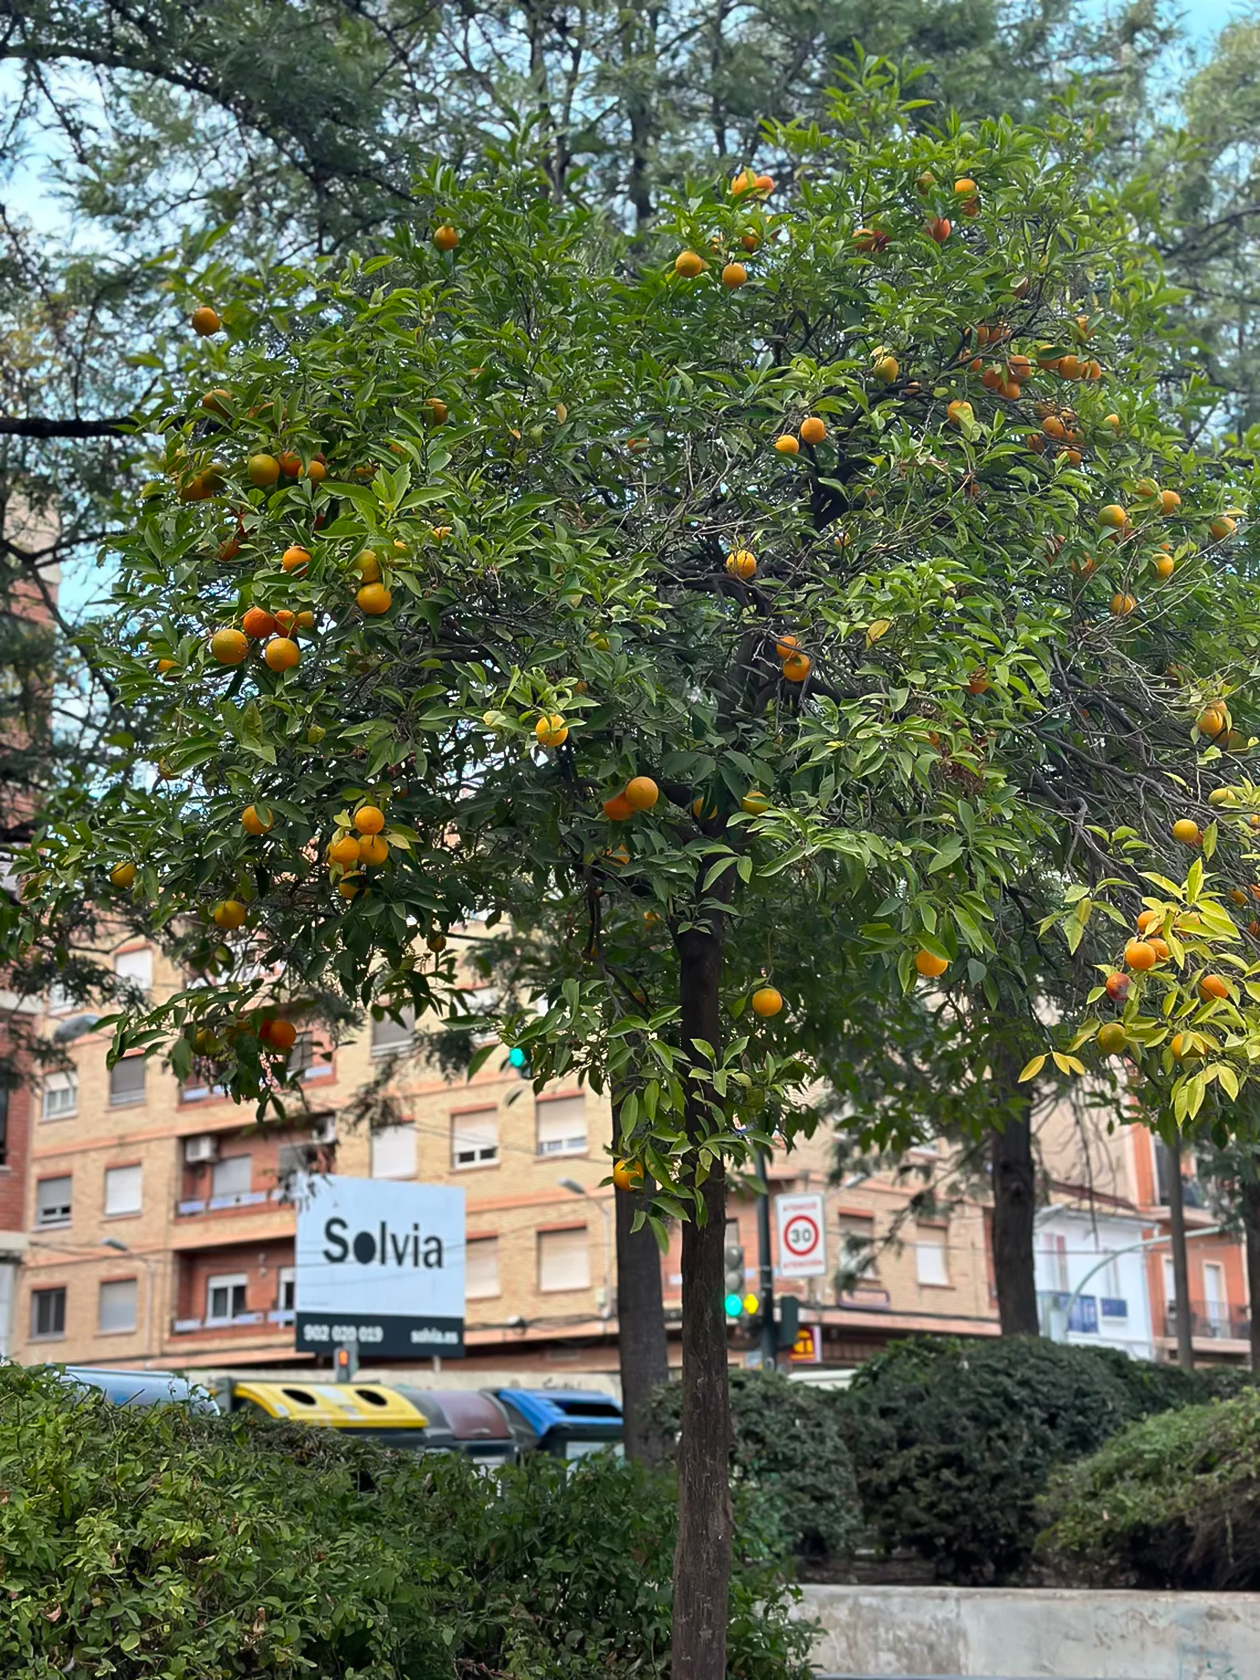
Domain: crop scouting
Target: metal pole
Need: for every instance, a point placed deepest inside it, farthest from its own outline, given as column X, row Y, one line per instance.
column 610, row 1298
column 1130, row 1248
column 1181, row 1270
column 769, row 1330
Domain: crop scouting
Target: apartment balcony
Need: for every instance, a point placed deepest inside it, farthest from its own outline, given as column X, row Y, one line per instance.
column 1211, row 1321
column 1087, row 1315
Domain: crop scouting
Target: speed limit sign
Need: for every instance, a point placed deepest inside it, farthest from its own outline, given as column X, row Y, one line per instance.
column 802, row 1235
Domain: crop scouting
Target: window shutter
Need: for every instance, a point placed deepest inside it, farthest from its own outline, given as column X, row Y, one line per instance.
column 481, row 1268
column 137, row 967
column 475, row 1137
column 117, row 1310
column 394, row 1152
column 52, row 1201
column 388, row 1037
column 562, row 1126
column 126, row 1080
column 564, row 1259
column 61, row 1094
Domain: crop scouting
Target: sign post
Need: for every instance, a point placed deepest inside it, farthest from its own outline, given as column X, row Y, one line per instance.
column 802, row 1234
column 380, row 1268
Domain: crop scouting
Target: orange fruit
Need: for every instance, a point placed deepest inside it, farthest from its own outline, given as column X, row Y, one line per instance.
column 229, row 913
column 317, row 472
column 1123, row 605
column 368, row 567
column 229, row 647
column 1160, row 948
column 787, row 444
column 1053, row 427
column 959, row 411
column 435, row 941
column 1112, row 420
column 1070, row 367
column 966, row 187
column 123, row 875
column 1212, row 721
column 754, row 802
column 166, row 666
column 204, row 321
column 627, row 1175
column 445, row 237
column 1117, row 986
column 1148, row 919
column 285, row 620
column 1113, row 516
column 374, row 599
column 216, row 401
column 930, row 965
column 744, row 182
column 282, row 653
column 813, row 429
column 1140, row 955
column 1163, row 567
column 1169, row 501
column 1213, row 986
column 1112, row 1038
column 939, row 228
column 344, row 850
column 642, row 793
column 436, row 411
column 796, row 667
column 306, row 619
column 886, row 369
column 618, row 808
column 978, row 683
column 252, row 820
column 373, row 849
column 290, row 464
column 258, row 623
column 741, row 564
column 764, row 184
column 278, row 1034
column 766, row 1001
column 688, row 264
column 262, row 470
column 1187, row 831
column 786, row 646
column 369, row 819
column 1222, row 526
column 349, row 886
column 293, row 559
column 551, row 730
column 734, row 275
column 869, row 240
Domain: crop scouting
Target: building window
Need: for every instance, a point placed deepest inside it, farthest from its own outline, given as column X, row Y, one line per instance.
column 392, row 1038
column 562, row 1126
column 230, row 1180
column 286, row 1289
column 305, row 1059
column 135, row 967
column 117, row 1308
column 857, row 1249
column 48, row 1313
column 126, row 1081
column 930, row 1257
column 61, row 1094
column 564, row 1259
column 394, row 1152
column 52, row 1201
column 481, row 1268
column 475, row 1138
column 225, row 1298
column 122, row 1189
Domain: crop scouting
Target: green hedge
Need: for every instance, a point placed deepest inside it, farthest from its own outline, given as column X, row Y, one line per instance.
column 953, row 1442
column 142, row 1544
column 788, row 1446
column 1173, row 1501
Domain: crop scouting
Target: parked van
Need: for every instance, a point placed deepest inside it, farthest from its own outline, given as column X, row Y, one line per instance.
column 139, row 1388
column 369, row 1411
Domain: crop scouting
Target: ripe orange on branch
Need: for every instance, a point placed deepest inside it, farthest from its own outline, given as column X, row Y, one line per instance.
column 688, row 264
column 642, row 793
column 929, row 965
column 369, row 819
column 1140, row 955
column 374, row 599
column 205, row 321
column 766, row 1001
column 282, row 653
column 229, row 647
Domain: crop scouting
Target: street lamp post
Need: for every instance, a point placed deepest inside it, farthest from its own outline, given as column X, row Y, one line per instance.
column 576, row 1189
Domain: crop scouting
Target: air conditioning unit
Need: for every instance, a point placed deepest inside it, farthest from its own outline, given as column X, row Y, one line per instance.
column 203, row 1148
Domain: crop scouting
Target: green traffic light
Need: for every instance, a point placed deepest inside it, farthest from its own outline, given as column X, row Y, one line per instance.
column 516, row 1056
column 734, row 1306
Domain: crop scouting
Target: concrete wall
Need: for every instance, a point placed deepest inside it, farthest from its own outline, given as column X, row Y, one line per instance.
column 1034, row 1635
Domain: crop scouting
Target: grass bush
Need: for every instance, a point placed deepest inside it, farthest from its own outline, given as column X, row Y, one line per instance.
column 146, row 1543
column 1172, row 1501
column 788, row 1447
column 953, row 1442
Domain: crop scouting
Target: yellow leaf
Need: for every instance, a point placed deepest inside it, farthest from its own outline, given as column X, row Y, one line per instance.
column 1067, row 1064
column 1032, row 1069
column 880, row 628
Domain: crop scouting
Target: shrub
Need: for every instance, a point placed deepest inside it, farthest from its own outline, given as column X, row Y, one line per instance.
column 136, row 1543
column 1172, row 1501
column 788, row 1447
column 953, row 1442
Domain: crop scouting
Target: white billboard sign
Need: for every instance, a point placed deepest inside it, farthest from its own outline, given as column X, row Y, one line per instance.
column 802, row 1235
column 380, row 1265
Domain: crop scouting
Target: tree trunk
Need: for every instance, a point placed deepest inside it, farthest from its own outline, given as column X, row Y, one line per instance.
column 702, row 1560
column 1014, row 1204
column 1251, row 1234
column 641, row 1340
column 1181, row 1266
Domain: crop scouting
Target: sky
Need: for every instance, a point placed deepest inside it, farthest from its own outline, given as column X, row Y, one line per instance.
column 25, row 193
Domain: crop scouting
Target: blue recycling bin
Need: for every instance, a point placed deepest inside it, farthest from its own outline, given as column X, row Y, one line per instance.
column 567, row 1423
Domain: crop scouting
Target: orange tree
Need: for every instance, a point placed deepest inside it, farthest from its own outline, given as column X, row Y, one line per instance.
column 832, row 556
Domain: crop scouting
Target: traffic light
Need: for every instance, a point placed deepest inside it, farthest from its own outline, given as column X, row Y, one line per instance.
column 733, row 1260
column 346, row 1362
column 789, row 1320
column 518, row 1058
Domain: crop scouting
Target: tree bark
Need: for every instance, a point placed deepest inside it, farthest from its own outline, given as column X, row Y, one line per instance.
column 702, row 1560
column 1014, row 1205
column 1181, row 1266
column 641, row 1341
column 1251, row 1236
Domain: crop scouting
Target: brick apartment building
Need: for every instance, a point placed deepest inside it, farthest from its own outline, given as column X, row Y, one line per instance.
column 162, row 1230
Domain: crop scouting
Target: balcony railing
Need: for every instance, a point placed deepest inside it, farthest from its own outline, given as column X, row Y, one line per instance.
column 1212, row 1320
